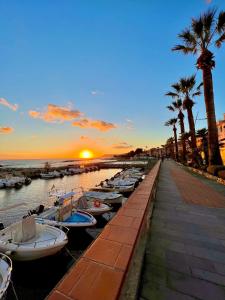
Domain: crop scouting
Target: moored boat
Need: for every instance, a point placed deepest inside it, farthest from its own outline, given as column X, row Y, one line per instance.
column 93, row 207
column 27, row 240
column 105, row 197
column 63, row 212
column 5, row 273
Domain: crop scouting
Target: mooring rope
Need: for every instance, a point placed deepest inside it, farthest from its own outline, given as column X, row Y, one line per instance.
column 14, row 291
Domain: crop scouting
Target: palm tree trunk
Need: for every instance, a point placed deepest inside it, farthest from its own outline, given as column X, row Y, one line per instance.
column 213, row 143
column 182, row 131
column 192, row 129
column 176, row 145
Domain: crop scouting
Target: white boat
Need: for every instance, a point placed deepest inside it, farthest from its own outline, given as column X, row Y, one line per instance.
column 28, row 240
column 64, row 213
column 106, row 197
column 93, row 207
column 50, row 175
column 5, row 273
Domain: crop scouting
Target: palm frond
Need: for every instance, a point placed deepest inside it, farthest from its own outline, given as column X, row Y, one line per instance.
column 188, row 38
column 208, row 20
column 176, row 87
column 220, row 40
column 184, row 49
column 197, row 28
column 196, row 94
column 221, row 22
column 171, row 108
column 199, row 86
column 171, row 94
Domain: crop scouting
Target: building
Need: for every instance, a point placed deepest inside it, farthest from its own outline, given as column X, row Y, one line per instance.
column 221, row 129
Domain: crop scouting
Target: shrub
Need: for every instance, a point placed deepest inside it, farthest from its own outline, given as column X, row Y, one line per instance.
column 214, row 169
column 221, row 174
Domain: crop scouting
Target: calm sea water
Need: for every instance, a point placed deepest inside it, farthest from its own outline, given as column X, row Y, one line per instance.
column 29, row 197
column 39, row 163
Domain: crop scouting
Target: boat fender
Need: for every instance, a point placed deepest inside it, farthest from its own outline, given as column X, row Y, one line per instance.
column 97, row 203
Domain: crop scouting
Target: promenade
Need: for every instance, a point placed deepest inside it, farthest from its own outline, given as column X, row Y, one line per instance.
column 185, row 253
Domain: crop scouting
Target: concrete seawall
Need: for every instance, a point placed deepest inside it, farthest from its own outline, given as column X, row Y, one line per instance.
column 111, row 266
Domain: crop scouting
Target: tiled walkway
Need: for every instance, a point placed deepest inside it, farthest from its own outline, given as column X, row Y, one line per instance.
column 185, row 254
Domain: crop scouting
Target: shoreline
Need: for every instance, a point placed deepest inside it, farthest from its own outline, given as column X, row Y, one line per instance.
column 34, row 173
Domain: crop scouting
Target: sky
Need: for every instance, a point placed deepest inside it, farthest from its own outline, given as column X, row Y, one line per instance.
column 92, row 74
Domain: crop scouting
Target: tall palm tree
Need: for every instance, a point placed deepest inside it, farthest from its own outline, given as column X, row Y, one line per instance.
column 185, row 89
column 205, row 31
column 177, row 106
column 172, row 122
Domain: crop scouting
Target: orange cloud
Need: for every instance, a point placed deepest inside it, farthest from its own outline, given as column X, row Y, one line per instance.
column 6, row 130
column 122, row 145
column 98, row 124
column 7, row 104
column 55, row 113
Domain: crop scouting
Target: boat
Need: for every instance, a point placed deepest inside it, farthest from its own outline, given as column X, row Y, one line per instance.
column 104, row 197
column 28, row 240
column 63, row 213
column 5, row 273
column 91, row 206
column 50, row 175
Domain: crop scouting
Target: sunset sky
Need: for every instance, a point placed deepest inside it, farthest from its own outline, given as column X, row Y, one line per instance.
column 92, row 74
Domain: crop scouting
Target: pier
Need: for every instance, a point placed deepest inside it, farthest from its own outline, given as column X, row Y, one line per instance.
column 174, row 251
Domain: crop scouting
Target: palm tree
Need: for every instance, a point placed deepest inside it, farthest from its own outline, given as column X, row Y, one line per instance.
column 172, row 122
column 169, row 145
column 177, row 106
column 205, row 31
column 185, row 89
column 203, row 134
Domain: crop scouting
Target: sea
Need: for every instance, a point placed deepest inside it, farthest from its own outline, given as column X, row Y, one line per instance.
column 35, row 279
column 39, row 163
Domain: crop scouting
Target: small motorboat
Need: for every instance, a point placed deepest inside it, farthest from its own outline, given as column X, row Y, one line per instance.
column 5, row 273
column 93, row 207
column 64, row 213
column 104, row 197
column 28, row 240
column 50, row 175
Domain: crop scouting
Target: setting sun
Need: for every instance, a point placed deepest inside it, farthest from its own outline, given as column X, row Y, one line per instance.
column 86, row 154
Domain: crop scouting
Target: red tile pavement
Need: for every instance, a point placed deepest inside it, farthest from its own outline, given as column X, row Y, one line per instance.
column 100, row 272
column 195, row 191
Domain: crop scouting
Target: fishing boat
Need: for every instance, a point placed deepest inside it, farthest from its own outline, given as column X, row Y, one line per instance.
column 104, row 197
column 28, row 240
column 5, row 273
column 63, row 213
column 50, row 175
column 93, row 206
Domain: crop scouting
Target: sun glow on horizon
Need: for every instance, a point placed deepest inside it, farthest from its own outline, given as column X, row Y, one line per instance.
column 86, row 154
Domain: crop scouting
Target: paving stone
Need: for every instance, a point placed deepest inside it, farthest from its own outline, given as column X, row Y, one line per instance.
column 195, row 287
column 209, row 276
column 187, row 240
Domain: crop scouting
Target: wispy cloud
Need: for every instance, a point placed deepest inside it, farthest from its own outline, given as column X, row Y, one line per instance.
column 6, row 103
column 97, row 92
column 122, row 145
column 6, row 130
column 55, row 113
column 129, row 124
column 97, row 124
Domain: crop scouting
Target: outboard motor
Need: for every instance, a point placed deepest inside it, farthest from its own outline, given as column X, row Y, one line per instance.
column 1, row 226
